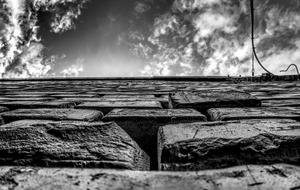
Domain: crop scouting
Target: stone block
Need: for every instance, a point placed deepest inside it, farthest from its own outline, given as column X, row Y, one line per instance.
column 37, row 104
column 212, row 99
column 52, row 114
column 200, row 146
column 142, row 124
column 226, row 114
column 275, row 177
column 4, row 99
column 106, row 107
column 69, row 144
column 281, row 103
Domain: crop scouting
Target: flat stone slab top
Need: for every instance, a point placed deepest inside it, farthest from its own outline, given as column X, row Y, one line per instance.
column 106, row 107
column 212, row 99
column 36, row 104
column 52, row 114
column 165, row 115
column 212, row 145
column 277, row 177
column 225, row 114
column 69, row 144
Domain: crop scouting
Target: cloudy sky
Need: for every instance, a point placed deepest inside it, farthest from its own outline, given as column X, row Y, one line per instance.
column 96, row 38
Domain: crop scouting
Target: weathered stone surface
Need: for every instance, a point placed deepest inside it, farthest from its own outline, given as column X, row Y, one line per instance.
column 52, row 114
column 275, row 177
column 282, row 96
column 24, row 95
column 75, row 96
column 128, row 97
column 225, row 114
column 282, row 103
column 106, row 107
column 37, row 104
column 162, row 115
column 199, row 146
column 211, row 99
column 80, row 100
column 129, row 93
column 142, row 124
column 69, row 144
column 26, row 99
column 3, row 109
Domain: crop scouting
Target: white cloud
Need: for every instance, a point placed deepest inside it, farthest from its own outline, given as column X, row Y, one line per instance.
column 21, row 53
column 212, row 37
column 73, row 70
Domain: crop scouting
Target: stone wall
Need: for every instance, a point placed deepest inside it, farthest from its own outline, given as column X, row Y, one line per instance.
column 109, row 134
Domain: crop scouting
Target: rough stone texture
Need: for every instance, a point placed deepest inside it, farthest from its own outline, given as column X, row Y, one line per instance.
column 66, row 144
column 25, row 99
column 282, row 103
column 162, row 115
column 36, row 104
column 142, row 124
column 199, row 146
column 211, row 99
column 52, row 114
column 69, row 144
column 282, row 96
column 106, row 107
column 3, row 109
column 80, row 100
column 128, row 97
column 275, row 177
column 225, row 114
column 64, row 95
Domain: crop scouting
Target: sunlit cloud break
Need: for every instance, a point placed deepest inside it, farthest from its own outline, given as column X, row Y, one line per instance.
column 21, row 50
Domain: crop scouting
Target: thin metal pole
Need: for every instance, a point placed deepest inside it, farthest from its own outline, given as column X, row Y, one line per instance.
column 253, row 70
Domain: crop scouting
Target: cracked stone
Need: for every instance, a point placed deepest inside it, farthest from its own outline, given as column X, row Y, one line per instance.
column 69, row 144
column 226, row 114
column 199, row 146
column 277, row 177
column 52, row 114
column 142, row 124
column 106, row 107
column 211, row 99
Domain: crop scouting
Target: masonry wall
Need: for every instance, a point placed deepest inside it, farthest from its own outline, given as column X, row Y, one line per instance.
column 149, row 134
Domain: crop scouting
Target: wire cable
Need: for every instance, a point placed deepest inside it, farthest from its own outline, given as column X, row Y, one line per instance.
column 252, row 37
column 290, row 67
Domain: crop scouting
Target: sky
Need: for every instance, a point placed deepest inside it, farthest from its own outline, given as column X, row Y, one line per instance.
column 125, row 38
